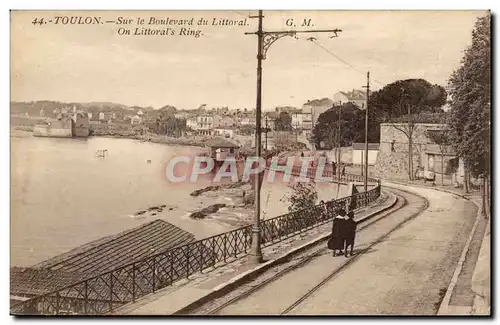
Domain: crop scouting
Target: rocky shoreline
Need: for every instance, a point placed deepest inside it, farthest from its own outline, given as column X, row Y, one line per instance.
column 206, row 211
column 230, row 204
column 154, row 138
column 218, row 188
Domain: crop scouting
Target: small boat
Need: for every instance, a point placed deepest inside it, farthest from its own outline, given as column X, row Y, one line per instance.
column 101, row 153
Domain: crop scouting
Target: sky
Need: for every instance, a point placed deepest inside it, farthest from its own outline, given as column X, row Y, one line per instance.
column 93, row 63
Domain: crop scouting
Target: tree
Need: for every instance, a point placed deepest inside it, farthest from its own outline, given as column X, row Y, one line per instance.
column 470, row 114
column 170, row 126
column 351, row 126
column 283, row 122
column 304, row 196
column 400, row 102
column 391, row 101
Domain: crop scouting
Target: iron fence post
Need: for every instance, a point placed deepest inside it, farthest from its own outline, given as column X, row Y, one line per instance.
column 57, row 303
column 225, row 246
column 111, row 291
column 235, row 245
column 187, row 261
column 201, row 250
column 246, row 241
column 213, row 252
column 171, row 268
column 154, row 274
column 133, row 282
column 86, row 297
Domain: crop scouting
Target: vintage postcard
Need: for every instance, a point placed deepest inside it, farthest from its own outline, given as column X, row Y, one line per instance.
column 250, row 162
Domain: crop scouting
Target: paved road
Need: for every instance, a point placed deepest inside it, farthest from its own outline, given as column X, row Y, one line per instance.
column 407, row 272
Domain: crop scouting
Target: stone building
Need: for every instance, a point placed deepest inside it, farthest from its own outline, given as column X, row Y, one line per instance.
column 392, row 160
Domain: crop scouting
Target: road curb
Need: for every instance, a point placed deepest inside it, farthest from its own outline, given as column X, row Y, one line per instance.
column 444, row 307
column 433, row 188
column 250, row 274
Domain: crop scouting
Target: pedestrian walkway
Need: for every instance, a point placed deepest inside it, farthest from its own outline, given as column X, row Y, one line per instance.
column 171, row 299
column 405, row 273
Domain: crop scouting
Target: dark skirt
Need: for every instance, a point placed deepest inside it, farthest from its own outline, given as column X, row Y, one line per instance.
column 335, row 243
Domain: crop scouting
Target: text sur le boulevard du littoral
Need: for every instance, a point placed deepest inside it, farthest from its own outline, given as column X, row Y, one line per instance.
column 146, row 26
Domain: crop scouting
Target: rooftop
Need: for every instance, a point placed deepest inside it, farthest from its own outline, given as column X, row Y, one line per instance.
column 354, row 94
column 98, row 257
column 432, row 148
column 320, row 102
column 221, row 143
column 28, row 281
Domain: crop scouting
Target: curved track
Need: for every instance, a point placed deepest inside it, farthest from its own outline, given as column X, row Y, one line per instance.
column 234, row 302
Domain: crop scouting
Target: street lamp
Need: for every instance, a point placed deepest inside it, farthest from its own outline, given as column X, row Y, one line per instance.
column 265, row 40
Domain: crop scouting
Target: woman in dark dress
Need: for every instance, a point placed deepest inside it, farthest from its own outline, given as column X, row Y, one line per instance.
column 349, row 232
column 336, row 241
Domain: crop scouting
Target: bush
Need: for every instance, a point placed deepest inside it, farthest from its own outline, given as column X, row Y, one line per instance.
column 304, row 196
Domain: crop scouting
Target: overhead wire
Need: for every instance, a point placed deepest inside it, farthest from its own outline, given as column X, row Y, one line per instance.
column 344, row 61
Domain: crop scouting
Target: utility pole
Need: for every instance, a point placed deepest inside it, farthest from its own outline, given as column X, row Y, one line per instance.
column 362, row 165
column 410, row 144
column 339, row 142
column 296, row 128
column 256, row 250
column 266, row 132
column 366, row 128
column 264, row 42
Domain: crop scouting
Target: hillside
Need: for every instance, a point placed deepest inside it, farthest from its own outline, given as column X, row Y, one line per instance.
column 33, row 108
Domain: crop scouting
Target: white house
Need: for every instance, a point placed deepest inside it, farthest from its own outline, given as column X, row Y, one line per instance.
column 312, row 110
column 356, row 97
column 224, row 131
column 297, row 119
column 205, row 124
column 247, row 120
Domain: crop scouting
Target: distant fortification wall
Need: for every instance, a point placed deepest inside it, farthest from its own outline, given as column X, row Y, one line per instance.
column 60, row 128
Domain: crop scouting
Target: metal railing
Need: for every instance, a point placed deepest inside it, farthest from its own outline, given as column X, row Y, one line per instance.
column 311, row 172
column 282, row 227
column 107, row 291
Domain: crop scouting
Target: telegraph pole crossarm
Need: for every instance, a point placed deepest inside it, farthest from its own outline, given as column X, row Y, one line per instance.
column 268, row 38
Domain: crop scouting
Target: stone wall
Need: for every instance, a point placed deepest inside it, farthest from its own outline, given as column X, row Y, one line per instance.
column 59, row 128
column 394, row 164
column 390, row 132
